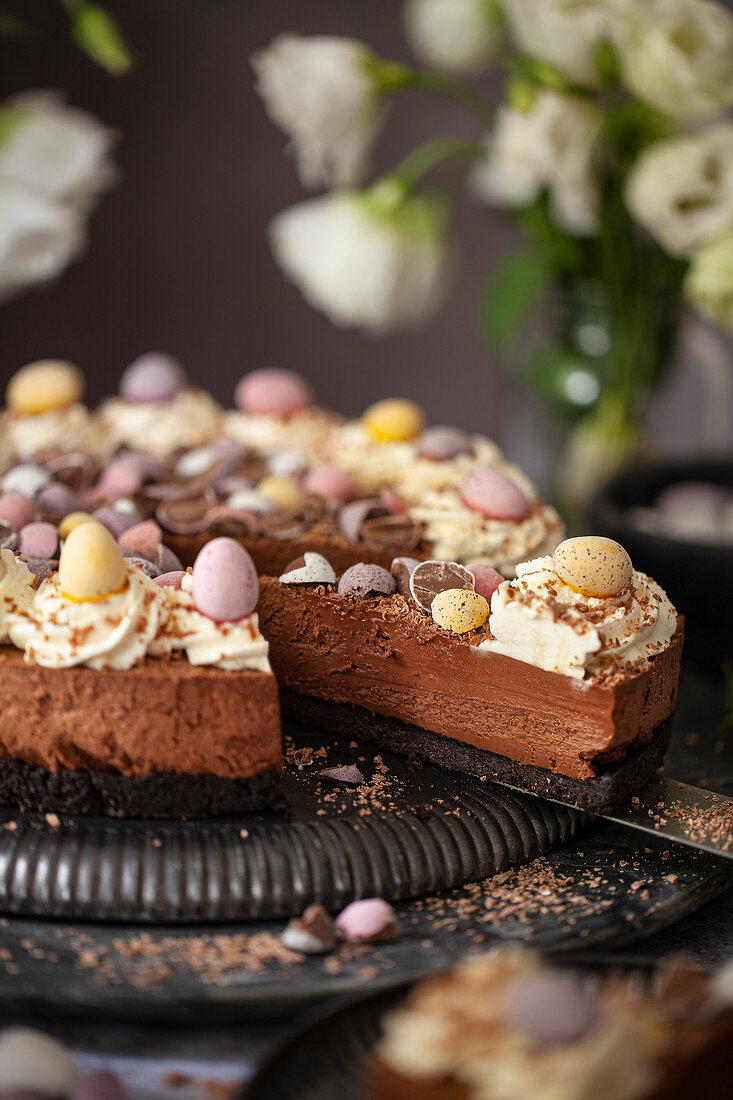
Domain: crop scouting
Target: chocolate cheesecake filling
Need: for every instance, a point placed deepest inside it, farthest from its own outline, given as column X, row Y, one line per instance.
column 384, row 656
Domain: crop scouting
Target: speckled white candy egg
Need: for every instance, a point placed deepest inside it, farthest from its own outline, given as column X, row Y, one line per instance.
column 30, row 1060
column 225, row 586
column 593, row 565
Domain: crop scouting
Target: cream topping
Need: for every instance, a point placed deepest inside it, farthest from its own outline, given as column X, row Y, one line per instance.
column 16, row 591
column 71, row 429
column 233, row 646
column 539, row 619
column 192, row 419
column 304, row 432
column 113, row 632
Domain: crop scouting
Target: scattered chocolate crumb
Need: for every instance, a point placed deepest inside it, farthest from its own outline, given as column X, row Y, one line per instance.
column 53, row 820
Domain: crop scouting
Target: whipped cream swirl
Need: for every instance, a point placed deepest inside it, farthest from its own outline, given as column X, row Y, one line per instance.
column 113, row 632
column 16, row 591
column 230, row 645
column 539, row 619
column 191, row 419
column 64, row 430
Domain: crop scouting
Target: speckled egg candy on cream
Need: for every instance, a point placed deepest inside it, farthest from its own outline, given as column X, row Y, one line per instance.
column 225, row 586
column 91, row 565
column 593, row 565
column 44, row 385
column 272, row 393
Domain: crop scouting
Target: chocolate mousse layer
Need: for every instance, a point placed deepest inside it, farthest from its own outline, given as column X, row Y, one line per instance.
column 160, row 721
column 384, row 657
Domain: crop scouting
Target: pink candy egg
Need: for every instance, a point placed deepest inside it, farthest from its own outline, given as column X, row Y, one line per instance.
column 122, row 478
column 225, row 585
column 367, row 919
column 152, row 378
column 273, row 393
column 492, row 494
column 487, row 580
column 329, row 482
column 172, row 579
column 16, row 510
column 442, row 443
column 57, row 499
column 39, row 540
column 143, row 539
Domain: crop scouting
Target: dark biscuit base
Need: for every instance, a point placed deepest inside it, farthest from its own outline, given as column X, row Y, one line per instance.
column 165, row 794
column 596, row 796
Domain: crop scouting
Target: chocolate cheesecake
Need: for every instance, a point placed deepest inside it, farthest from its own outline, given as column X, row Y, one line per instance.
column 507, row 1026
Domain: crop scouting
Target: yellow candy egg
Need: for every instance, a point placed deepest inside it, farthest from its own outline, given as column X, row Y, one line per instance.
column 394, row 419
column 73, row 520
column 593, row 565
column 281, row 491
column 459, row 610
column 44, row 385
column 91, row 564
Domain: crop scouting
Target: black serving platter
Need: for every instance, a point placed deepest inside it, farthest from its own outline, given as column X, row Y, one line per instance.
column 697, row 576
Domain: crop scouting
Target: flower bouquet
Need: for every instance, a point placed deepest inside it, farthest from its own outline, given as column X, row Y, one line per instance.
column 610, row 150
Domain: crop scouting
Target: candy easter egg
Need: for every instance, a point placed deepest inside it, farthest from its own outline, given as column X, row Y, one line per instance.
column 593, row 565
column 494, row 495
column 394, row 419
column 91, row 565
column 16, row 510
column 152, row 378
column 44, row 385
column 273, row 393
column 225, row 585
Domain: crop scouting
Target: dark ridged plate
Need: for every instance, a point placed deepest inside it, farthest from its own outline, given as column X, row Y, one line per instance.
column 438, row 831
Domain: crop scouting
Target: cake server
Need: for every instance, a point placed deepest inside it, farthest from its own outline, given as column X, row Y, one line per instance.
column 681, row 813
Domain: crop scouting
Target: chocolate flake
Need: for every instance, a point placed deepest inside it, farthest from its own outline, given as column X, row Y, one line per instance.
column 311, row 934
column 186, row 515
column 288, row 523
column 348, row 774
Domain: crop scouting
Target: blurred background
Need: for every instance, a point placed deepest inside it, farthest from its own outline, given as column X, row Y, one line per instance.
column 178, row 259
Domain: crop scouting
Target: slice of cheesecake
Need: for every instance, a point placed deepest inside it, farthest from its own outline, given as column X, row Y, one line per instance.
column 566, row 695
column 508, row 1026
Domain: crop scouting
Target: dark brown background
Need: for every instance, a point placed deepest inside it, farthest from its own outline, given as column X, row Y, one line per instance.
column 178, row 258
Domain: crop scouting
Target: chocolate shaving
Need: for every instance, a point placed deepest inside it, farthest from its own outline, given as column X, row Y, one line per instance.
column 233, row 524
column 391, row 534
column 431, row 577
column 402, row 569
column 77, row 471
column 288, row 523
column 186, row 516
column 348, row 774
column 352, row 517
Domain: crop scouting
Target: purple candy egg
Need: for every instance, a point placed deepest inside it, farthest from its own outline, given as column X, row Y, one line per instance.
column 167, row 560
column 368, row 919
column 149, row 568
column 115, row 522
column 16, row 510
column 152, row 378
column 122, row 478
column 57, row 499
column 442, row 443
column 100, row 1085
column 365, row 580
column 225, row 585
column 553, row 1008
column 39, row 540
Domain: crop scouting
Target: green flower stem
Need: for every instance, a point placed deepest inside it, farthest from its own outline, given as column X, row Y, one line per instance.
column 410, row 171
column 393, row 77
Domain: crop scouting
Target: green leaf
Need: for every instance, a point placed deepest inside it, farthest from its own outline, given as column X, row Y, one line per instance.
column 13, row 27
column 96, row 32
column 515, row 288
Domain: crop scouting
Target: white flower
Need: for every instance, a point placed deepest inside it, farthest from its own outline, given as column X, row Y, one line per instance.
column 681, row 189
column 567, row 33
column 460, row 36
column 324, row 93
column 709, row 283
column 679, row 57
column 38, row 237
column 549, row 147
column 370, row 260
column 55, row 150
